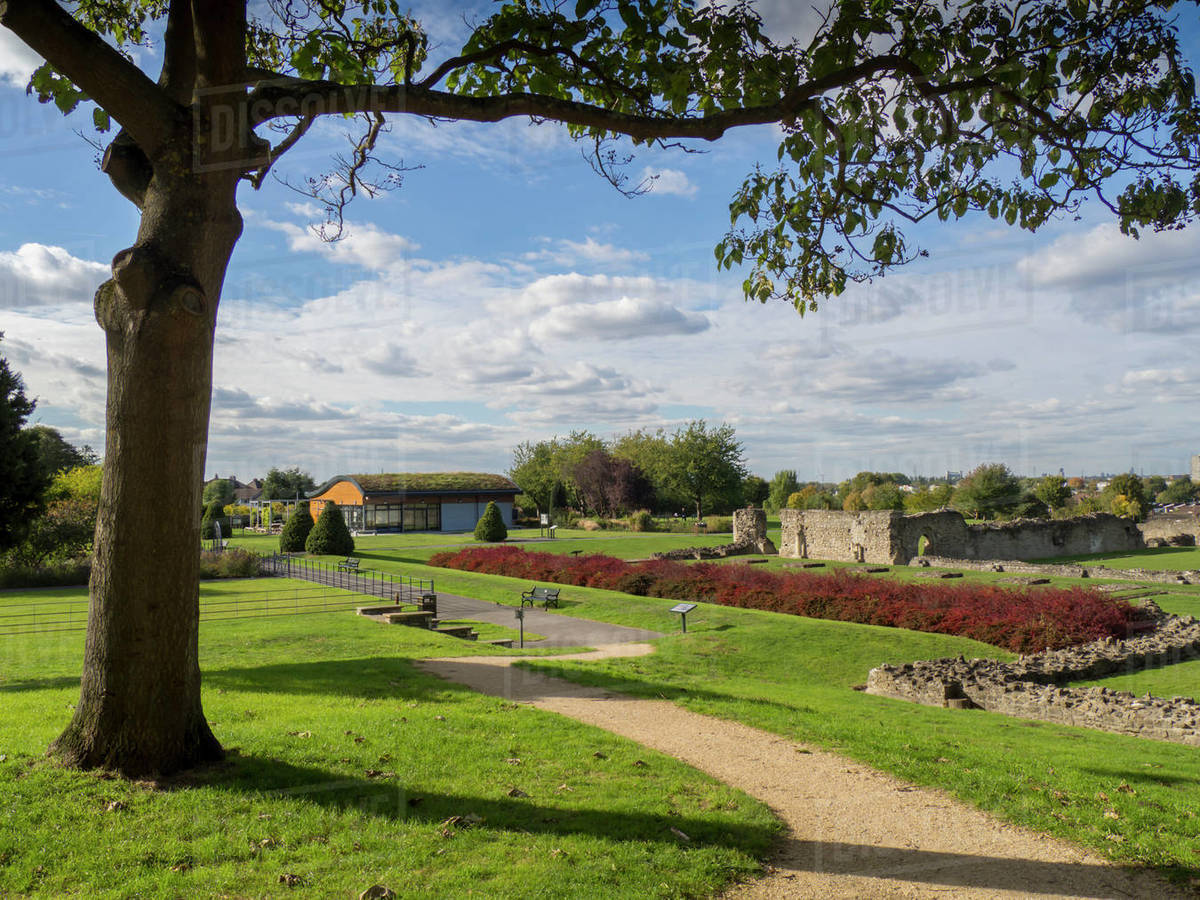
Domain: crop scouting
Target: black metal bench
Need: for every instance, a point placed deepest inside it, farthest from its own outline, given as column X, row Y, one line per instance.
column 548, row 597
column 349, row 564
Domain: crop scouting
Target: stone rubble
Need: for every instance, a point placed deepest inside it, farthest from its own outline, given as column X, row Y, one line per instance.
column 1031, row 686
column 1065, row 570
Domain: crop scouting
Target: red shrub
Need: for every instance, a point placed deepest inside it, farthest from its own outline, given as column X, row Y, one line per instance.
column 1021, row 621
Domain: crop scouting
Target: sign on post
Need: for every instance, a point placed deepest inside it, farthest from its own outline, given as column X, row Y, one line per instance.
column 683, row 609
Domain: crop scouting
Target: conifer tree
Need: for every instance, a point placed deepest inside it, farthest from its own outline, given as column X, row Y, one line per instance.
column 295, row 533
column 330, row 536
column 490, row 526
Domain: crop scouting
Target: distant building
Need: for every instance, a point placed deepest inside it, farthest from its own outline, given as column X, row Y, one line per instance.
column 415, row 501
column 243, row 492
column 1196, row 470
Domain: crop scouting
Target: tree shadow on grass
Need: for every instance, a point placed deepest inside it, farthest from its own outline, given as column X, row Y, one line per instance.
column 367, row 678
column 39, row 684
column 390, row 799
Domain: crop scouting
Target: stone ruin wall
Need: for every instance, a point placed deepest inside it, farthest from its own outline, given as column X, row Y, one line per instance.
column 888, row 537
column 851, row 536
column 1030, row 688
column 1171, row 530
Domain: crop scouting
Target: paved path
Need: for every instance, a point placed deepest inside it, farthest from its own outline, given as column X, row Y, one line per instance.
column 559, row 630
column 852, row 832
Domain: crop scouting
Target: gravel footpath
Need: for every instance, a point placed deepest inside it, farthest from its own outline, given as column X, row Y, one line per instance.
column 852, row 832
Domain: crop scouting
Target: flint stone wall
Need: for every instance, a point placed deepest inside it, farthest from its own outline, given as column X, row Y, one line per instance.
column 1171, row 530
column 889, row 537
column 1030, row 688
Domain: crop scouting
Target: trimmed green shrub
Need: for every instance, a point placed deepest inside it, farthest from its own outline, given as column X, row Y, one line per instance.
column 641, row 520
column 214, row 512
column 330, row 536
column 235, row 563
column 296, row 531
column 490, row 526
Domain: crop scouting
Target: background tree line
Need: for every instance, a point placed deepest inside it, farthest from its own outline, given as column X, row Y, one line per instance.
column 990, row 491
column 692, row 470
column 49, row 489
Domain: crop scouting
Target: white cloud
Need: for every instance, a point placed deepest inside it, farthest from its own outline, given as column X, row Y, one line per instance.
column 1103, row 257
column 568, row 253
column 625, row 319
column 41, row 275
column 17, row 61
column 668, row 181
column 392, row 360
column 363, row 245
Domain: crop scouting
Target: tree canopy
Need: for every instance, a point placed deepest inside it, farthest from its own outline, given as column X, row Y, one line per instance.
column 287, row 484
column 707, row 465
column 987, row 491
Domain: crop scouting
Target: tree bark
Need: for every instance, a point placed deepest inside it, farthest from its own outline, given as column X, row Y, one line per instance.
column 139, row 710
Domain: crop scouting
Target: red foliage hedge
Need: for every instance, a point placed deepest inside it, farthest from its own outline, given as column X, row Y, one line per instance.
column 1023, row 621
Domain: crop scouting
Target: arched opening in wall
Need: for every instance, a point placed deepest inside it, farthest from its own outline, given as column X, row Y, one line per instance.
column 924, row 546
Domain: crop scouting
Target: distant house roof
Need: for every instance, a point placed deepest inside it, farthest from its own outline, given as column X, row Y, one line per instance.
column 425, row 483
column 252, row 490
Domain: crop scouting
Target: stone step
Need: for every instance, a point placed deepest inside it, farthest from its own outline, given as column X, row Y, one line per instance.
column 416, row 619
column 500, row 642
column 466, row 632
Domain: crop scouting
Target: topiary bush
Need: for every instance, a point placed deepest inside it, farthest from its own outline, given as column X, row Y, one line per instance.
column 491, row 524
column 214, row 512
column 330, row 536
column 295, row 532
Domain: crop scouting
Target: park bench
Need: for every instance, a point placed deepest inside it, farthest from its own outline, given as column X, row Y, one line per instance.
column 349, row 564
column 548, row 597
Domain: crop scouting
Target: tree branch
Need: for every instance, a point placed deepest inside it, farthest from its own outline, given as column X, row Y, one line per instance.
column 115, row 83
column 305, row 98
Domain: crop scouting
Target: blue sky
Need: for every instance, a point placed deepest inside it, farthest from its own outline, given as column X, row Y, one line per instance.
column 506, row 293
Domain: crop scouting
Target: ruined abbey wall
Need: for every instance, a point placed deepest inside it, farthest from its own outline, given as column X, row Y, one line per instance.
column 888, row 537
column 1171, row 530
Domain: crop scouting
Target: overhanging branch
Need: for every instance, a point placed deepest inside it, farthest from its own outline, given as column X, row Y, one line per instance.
column 120, row 87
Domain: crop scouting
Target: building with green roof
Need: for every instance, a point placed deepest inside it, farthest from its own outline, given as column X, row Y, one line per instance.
column 415, row 501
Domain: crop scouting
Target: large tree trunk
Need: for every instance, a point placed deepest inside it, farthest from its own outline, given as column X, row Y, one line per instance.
column 139, row 709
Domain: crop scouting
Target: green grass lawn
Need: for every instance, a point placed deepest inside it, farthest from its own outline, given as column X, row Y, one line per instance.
column 1168, row 558
column 1178, row 680
column 794, row 677
column 292, row 694
column 348, row 767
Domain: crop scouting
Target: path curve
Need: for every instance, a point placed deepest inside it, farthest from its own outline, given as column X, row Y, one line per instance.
column 852, row 832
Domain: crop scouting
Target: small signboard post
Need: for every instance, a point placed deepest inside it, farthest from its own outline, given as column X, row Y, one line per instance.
column 520, row 610
column 683, row 609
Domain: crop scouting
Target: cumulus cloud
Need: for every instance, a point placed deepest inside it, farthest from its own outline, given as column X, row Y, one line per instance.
column 625, row 319
column 668, row 181
column 17, row 61
column 392, row 360
column 1103, row 257
column 41, row 275
column 1145, row 285
column 569, row 253
column 235, row 403
column 880, row 378
column 367, row 246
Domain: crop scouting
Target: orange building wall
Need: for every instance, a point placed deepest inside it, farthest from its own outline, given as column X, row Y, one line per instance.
column 343, row 493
